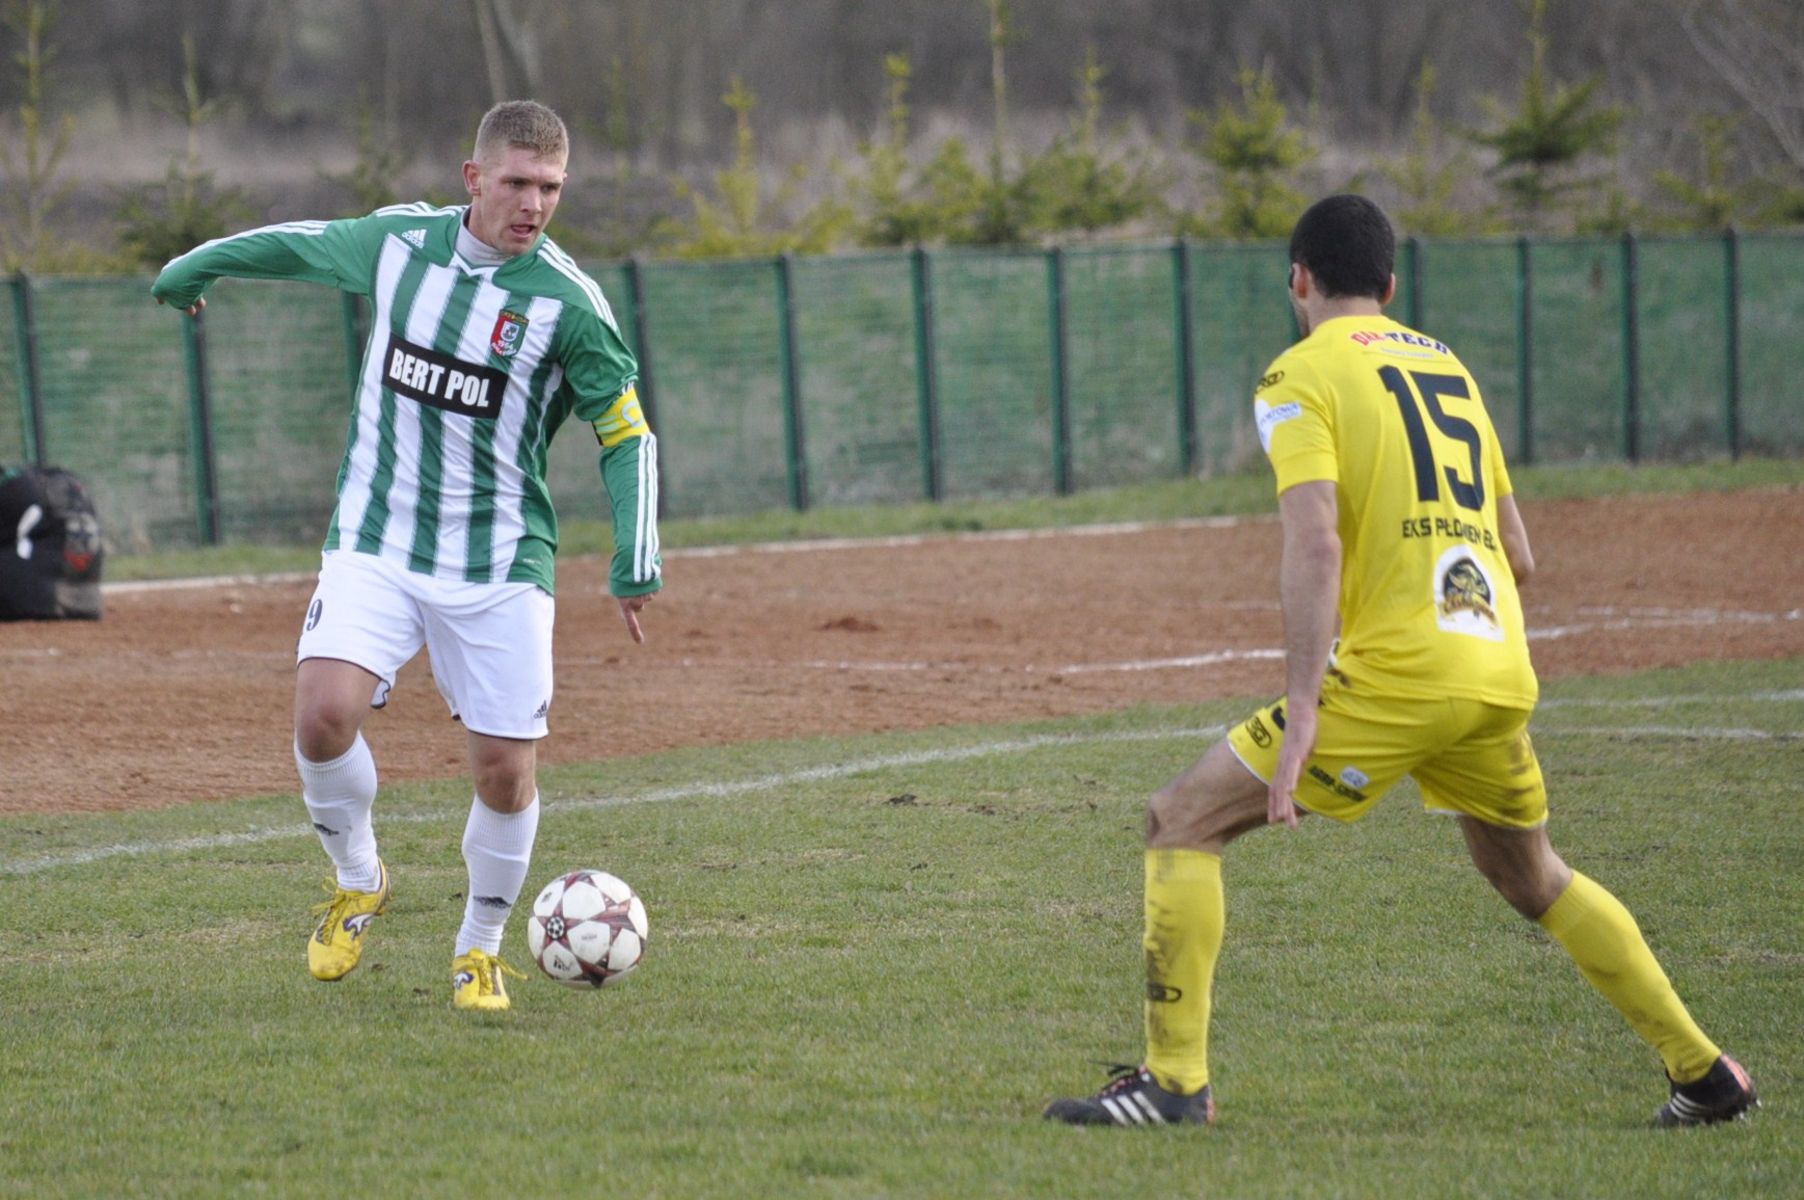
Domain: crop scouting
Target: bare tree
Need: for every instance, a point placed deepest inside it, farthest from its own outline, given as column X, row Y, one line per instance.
column 1756, row 47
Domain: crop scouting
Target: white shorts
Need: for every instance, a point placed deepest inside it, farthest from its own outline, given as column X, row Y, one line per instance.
column 489, row 643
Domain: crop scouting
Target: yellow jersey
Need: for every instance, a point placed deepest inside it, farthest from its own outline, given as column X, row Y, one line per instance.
column 1428, row 604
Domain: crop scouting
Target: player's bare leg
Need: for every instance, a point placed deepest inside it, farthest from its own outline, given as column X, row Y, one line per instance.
column 1188, row 823
column 338, row 785
column 498, row 840
column 1607, row 946
column 1520, row 863
column 331, row 699
column 1207, row 806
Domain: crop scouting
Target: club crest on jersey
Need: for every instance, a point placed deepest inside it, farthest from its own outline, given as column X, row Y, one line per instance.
column 1464, row 596
column 509, row 332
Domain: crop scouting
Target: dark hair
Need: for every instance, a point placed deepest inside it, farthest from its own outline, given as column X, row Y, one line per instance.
column 1347, row 243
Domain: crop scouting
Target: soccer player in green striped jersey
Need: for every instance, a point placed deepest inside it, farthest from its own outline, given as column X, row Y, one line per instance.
column 485, row 337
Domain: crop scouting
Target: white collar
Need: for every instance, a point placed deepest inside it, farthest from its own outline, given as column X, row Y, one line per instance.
column 477, row 252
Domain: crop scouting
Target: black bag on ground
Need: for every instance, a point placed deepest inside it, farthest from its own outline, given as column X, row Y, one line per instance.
column 50, row 551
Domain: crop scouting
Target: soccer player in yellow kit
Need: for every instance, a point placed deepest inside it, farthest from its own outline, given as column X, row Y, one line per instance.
column 1399, row 527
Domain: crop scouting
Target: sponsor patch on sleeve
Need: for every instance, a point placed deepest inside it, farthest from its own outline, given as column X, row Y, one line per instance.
column 1270, row 416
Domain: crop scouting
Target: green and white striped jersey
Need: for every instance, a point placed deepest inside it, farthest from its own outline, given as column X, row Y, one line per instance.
column 468, row 372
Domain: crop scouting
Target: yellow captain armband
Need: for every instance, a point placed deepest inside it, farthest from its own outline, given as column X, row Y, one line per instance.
column 624, row 419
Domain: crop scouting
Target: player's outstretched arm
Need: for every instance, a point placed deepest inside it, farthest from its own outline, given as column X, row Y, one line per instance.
column 336, row 253
column 1309, row 589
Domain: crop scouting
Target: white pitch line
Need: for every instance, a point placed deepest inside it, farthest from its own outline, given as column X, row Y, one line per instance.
column 1677, row 621
column 913, row 758
column 208, row 581
column 1206, row 659
column 1680, row 732
column 1790, row 696
column 689, row 791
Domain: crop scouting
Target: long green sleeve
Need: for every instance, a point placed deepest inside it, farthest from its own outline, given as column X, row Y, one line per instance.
column 629, row 469
column 336, row 253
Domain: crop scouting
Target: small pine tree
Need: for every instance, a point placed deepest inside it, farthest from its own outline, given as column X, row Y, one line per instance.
column 1253, row 149
column 1779, row 201
column 735, row 225
column 1710, row 202
column 1427, row 174
column 160, row 221
column 1074, row 185
column 898, row 208
column 26, row 242
column 988, row 208
column 1539, row 145
column 379, row 163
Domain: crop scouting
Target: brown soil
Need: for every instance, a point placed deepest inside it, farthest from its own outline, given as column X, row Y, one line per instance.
column 184, row 694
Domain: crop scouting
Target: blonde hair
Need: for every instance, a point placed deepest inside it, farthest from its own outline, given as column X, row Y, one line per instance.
column 521, row 124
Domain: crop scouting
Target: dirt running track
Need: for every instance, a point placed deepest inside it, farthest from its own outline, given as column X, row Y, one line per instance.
column 183, row 694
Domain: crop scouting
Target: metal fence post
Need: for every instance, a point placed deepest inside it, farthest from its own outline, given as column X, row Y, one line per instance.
column 1525, row 350
column 1183, row 315
column 1732, row 338
column 1061, row 388
column 648, row 396
column 794, row 454
column 1631, row 350
column 927, row 380
column 200, row 430
column 31, row 393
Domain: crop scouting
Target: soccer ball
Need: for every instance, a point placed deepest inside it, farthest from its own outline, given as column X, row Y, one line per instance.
column 587, row 929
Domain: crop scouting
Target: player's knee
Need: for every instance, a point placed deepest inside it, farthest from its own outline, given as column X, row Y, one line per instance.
column 1165, row 815
column 1181, row 817
column 1529, row 887
column 504, row 776
column 323, row 732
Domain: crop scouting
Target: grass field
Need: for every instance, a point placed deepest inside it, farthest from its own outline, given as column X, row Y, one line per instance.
column 873, row 960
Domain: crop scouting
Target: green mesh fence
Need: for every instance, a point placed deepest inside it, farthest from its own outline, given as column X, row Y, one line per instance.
column 993, row 355
column 1240, row 322
column 1772, row 363
column 279, row 364
column 115, row 396
column 1578, row 377
column 718, row 386
column 892, row 377
column 1681, row 412
column 14, row 447
column 1122, row 371
column 856, row 388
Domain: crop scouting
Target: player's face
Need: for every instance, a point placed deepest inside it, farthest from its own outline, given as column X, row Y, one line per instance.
column 512, row 196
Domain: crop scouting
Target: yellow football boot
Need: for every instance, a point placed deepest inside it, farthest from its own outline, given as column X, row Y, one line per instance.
column 476, row 981
column 337, row 941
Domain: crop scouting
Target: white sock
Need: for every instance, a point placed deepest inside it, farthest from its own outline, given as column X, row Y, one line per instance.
column 498, row 851
column 339, row 795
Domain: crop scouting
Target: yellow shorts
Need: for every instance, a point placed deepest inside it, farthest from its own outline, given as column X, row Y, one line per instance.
column 1467, row 756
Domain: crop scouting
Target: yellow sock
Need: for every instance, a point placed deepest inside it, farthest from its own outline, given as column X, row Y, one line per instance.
column 1185, row 912
column 1603, row 939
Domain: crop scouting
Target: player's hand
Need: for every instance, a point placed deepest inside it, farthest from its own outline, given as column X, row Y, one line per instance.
column 1299, row 744
column 192, row 310
column 630, row 607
